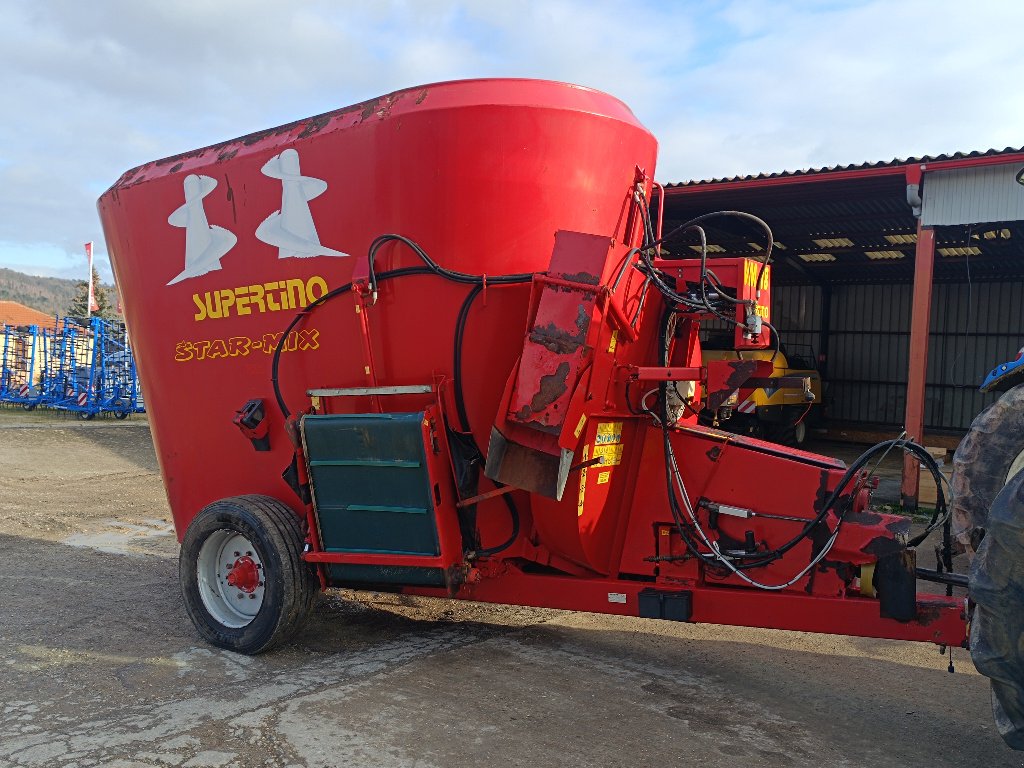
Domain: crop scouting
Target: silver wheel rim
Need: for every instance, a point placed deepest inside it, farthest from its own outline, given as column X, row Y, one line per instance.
column 1016, row 466
column 800, row 433
column 232, row 601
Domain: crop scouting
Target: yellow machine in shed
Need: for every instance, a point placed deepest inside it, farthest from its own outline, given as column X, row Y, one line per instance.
column 779, row 412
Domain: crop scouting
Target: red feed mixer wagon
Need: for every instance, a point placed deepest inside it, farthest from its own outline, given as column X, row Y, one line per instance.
column 431, row 344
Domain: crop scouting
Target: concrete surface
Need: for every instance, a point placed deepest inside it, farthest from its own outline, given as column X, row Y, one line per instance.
column 99, row 665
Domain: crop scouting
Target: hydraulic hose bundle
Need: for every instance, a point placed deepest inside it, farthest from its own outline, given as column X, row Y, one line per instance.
column 688, row 525
column 431, row 268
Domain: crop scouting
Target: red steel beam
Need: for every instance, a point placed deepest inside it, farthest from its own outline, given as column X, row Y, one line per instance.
column 940, row 619
column 375, row 558
column 924, row 267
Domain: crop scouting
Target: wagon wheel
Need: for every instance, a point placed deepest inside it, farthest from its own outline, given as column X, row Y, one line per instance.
column 986, row 459
column 793, row 435
column 988, row 518
column 86, row 416
column 120, row 415
column 245, row 585
column 792, row 431
column 997, row 628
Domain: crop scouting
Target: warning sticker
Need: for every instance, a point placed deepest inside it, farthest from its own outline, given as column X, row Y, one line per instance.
column 604, row 477
column 583, row 481
column 579, row 427
column 613, row 342
column 612, row 454
column 608, row 432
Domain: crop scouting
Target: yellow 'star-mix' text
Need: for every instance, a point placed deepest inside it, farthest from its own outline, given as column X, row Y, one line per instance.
column 235, row 346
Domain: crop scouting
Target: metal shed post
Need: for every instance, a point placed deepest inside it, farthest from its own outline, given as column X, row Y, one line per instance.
column 920, row 317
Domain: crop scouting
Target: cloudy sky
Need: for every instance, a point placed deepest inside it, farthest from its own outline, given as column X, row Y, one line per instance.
column 91, row 89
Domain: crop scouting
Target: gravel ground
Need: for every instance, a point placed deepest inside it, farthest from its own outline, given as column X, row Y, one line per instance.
column 100, row 666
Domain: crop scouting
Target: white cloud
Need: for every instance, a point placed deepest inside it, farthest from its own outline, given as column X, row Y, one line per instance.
column 92, row 89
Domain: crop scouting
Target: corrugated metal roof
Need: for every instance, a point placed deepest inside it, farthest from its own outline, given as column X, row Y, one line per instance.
column 880, row 165
column 870, row 211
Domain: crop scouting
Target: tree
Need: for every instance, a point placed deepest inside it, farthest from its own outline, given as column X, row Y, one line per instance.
column 80, row 301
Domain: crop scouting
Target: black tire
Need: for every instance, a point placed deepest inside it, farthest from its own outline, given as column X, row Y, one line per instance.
column 120, row 415
column 29, row 406
column 997, row 627
column 86, row 416
column 792, row 435
column 981, row 464
column 288, row 588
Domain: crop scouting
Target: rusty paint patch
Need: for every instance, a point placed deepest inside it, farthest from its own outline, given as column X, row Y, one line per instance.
column 823, row 493
column 369, row 108
column 552, row 387
column 422, row 95
column 928, row 613
column 226, row 155
column 255, row 138
column 389, row 103
column 366, row 108
column 900, row 527
column 582, row 319
column 582, row 277
column 863, row 518
column 844, row 571
column 741, row 371
column 714, row 453
column 557, row 340
column 315, row 125
column 176, row 168
column 882, row 546
column 231, row 197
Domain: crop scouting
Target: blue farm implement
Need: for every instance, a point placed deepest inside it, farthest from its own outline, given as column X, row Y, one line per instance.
column 83, row 367
column 23, row 351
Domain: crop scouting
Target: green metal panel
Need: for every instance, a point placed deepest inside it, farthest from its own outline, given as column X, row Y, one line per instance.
column 371, row 488
column 344, row 573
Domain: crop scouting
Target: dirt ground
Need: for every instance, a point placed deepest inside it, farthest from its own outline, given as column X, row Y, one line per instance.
column 99, row 665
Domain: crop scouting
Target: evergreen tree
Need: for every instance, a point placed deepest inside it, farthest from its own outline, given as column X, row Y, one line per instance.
column 80, row 301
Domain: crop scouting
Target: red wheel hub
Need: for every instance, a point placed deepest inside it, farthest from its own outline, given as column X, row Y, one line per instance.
column 244, row 575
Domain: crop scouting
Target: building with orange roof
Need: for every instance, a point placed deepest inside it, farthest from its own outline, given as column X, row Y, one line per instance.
column 23, row 350
column 19, row 316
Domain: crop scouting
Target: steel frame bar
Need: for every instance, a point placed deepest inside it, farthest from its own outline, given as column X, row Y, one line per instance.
column 940, row 619
column 924, row 266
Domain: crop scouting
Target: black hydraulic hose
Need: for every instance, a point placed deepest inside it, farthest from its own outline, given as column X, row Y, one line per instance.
column 275, row 363
column 514, row 514
column 716, row 214
column 763, row 559
column 460, row 408
column 478, row 282
column 433, row 266
column 460, row 327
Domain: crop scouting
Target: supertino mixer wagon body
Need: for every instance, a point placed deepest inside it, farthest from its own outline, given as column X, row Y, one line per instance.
column 432, row 344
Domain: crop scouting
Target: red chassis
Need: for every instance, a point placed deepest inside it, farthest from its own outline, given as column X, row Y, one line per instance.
column 608, row 542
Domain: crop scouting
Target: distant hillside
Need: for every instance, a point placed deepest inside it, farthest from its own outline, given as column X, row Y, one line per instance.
column 51, row 295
